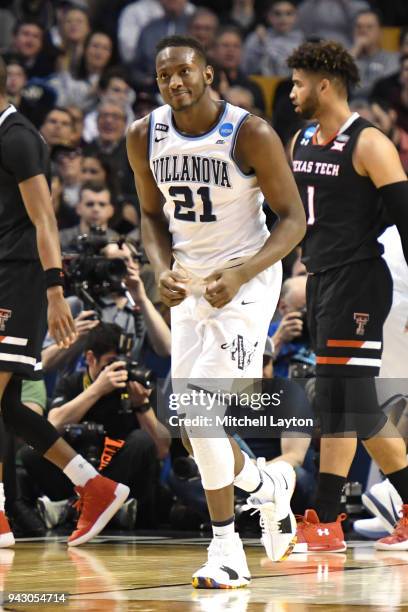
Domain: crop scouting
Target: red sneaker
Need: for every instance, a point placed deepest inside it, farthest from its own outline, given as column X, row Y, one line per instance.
column 98, row 501
column 6, row 535
column 314, row 536
column 398, row 540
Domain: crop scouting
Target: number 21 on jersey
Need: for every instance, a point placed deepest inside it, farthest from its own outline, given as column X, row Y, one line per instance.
column 184, row 208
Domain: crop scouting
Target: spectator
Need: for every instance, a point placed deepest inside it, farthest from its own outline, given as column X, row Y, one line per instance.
column 78, row 120
column 67, row 165
column 242, row 15
column 133, row 19
column 133, row 440
column 28, row 42
column 385, row 117
column 290, row 337
column 7, row 24
column 267, row 49
column 111, row 143
column 372, row 61
column 95, row 170
column 203, row 26
column 94, row 208
column 74, row 29
column 174, row 21
column 239, row 96
column 228, row 56
column 58, row 127
column 389, row 87
column 398, row 97
column 80, row 87
column 329, row 19
column 113, row 85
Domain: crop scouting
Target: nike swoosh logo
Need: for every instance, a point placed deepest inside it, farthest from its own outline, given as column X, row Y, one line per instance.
column 159, row 139
column 285, row 481
column 396, row 514
column 243, row 303
column 285, row 525
column 231, row 573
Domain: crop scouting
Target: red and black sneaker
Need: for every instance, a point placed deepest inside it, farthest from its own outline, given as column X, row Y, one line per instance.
column 6, row 535
column 398, row 540
column 314, row 536
column 98, row 501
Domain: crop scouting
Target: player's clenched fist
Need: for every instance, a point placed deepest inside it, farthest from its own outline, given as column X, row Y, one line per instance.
column 172, row 287
column 222, row 285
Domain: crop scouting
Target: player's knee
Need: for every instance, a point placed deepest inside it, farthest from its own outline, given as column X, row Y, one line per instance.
column 215, row 461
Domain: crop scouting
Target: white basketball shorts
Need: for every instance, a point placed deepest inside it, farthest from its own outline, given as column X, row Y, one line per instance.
column 227, row 342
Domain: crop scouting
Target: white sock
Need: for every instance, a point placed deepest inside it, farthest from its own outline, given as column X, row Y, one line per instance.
column 2, row 497
column 79, row 471
column 255, row 481
column 225, row 530
column 249, row 477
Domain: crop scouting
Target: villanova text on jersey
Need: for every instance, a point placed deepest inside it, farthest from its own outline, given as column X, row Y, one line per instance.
column 191, row 169
column 214, row 210
column 343, row 208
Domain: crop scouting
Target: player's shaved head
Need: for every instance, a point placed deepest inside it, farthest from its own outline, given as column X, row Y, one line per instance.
column 3, row 77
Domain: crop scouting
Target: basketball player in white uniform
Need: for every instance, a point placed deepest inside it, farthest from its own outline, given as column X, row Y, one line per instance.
column 201, row 169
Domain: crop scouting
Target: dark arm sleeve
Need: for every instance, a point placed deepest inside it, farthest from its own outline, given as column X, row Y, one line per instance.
column 21, row 153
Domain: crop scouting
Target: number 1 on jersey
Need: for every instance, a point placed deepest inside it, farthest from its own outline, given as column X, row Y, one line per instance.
column 310, row 205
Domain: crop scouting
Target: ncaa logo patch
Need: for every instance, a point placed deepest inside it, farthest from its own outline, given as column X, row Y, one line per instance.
column 226, row 129
column 308, row 133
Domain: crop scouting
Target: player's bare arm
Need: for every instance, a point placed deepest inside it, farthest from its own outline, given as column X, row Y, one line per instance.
column 377, row 157
column 259, row 149
column 154, row 225
column 37, row 201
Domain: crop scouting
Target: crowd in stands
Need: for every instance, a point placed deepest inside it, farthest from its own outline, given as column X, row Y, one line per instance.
column 82, row 71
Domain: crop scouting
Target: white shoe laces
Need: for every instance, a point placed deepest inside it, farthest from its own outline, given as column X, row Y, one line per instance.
column 267, row 516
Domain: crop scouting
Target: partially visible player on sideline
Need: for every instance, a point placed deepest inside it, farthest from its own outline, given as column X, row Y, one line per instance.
column 28, row 236
column 201, row 167
column 352, row 185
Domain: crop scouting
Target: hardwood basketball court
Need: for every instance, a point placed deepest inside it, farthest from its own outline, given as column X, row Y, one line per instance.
column 153, row 574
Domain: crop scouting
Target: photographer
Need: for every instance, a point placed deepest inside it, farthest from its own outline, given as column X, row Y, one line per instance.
column 140, row 319
column 118, row 429
column 290, row 336
column 94, row 208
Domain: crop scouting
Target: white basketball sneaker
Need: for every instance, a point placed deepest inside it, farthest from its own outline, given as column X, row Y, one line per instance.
column 277, row 520
column 371, row 528
column 383, row 501
column 226, row 566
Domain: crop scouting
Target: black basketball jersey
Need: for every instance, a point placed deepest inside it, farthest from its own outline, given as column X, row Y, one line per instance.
column 23, row 155
column 343, row 209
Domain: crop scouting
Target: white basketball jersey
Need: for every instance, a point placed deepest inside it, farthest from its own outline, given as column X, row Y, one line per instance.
column 214, row 209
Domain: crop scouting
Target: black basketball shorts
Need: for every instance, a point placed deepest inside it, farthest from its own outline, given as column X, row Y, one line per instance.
column 23, row 317
column 346, row 311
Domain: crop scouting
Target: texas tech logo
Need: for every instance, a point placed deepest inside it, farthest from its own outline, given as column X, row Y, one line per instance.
column 361, row 318
column 4, row 317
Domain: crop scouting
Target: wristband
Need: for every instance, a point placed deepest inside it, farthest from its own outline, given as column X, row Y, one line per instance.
column 54, row 277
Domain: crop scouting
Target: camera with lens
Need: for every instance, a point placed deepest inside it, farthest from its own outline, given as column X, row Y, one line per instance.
column 136, row 372
column 87, row 439
column 89, row 271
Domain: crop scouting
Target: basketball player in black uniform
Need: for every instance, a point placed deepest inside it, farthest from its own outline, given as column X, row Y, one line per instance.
column 352, row 185
column 29, row 245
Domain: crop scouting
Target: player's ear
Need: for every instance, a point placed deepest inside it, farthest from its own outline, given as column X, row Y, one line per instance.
column 208, row 75
column 324, row 85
